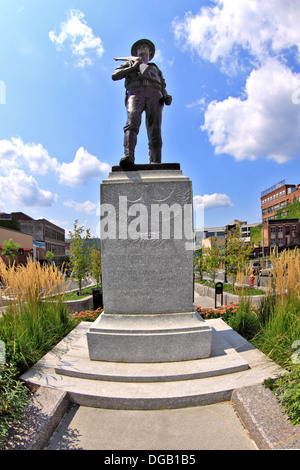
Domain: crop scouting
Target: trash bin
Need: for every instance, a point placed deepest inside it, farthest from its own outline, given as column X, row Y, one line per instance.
column 97, row 298
column 218, row 290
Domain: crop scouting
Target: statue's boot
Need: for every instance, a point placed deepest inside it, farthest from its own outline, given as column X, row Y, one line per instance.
column 130, row 140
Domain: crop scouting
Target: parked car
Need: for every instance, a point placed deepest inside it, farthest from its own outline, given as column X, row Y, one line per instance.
column 267, row 269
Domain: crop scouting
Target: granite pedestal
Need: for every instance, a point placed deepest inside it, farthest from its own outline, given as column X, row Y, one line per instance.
column 147, row 269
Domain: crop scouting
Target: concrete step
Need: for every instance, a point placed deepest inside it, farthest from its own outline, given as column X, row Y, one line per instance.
column 159, row 386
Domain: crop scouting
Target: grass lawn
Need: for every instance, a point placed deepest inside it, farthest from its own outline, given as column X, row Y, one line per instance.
column 75, row 295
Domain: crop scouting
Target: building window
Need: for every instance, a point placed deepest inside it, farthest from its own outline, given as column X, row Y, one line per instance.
column 276, row 207
column 282, row 204
column 280, row 229
column 294, row 228
column 287, row 229
column 265, row 211
column 270, row 209
column 273, row 229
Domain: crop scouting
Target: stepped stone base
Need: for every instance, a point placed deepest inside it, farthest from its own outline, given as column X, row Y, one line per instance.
column 149, row 338
column 234, row 363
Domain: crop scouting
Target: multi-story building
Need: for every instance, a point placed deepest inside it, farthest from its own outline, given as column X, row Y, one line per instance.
column 204, row 237
column 45, row 232
column 283, row 233
column 279, row 233
column 277, row 197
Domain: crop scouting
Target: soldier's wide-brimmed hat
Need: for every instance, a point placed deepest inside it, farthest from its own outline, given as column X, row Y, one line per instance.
column 143, row 41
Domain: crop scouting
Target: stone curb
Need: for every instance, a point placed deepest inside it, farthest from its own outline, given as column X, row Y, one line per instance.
column 42, row 416
column 207, row 291
column 264, row 418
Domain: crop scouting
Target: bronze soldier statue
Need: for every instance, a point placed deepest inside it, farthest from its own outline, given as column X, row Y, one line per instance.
column 145, row 91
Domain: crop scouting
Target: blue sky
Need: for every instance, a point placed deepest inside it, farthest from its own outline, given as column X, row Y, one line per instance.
column 232, row 67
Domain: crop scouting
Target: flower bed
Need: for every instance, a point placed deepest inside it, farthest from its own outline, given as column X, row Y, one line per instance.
column 86, row 315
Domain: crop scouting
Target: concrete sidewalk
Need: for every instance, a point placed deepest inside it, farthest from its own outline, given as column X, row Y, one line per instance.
column 211, row 427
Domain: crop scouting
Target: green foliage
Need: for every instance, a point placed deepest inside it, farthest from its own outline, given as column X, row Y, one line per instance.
column 34, row 331
column 291, row 211
column 199, row 262
column 280, row 320
column 10, row 249
column 12, row 224
column 80, row 253
column 14, row 398
column 212, row 258
column 256, row 234
column 287, row 389
column 237, row 252
column 95, row 266
column 49, row 256
column 245, row 321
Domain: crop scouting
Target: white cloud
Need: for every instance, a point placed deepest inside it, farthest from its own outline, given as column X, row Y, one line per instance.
column 264, row 124
column 80, row 37
column 8, row 155
column 14, row 151
column 81, row 169
column 213, row 201
column 20, row 189
column 88, row 207
column 200, row 103
column 219, row 32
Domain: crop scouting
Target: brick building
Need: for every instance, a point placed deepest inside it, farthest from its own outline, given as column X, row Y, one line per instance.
column 45, row 232
column 283, row 233
column 277, row 197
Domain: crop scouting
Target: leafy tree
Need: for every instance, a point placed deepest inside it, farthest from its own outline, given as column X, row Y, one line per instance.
column 212, row 258
column 49, row 257
column 10, row 249
column 236, row 252
column 95, row 267
column 199, row 262
column 79, row 253
column 256, row 234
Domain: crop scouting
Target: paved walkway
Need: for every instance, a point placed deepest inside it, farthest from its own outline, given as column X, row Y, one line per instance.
column 211, row 427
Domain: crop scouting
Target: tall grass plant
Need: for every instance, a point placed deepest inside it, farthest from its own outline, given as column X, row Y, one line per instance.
column 31, row 327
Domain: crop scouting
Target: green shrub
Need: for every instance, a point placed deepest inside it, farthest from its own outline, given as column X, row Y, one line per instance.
column 14, row 398
column 287, row 389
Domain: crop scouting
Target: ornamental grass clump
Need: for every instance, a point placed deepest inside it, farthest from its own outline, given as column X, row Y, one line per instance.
column 280, row 312
column 30, row 327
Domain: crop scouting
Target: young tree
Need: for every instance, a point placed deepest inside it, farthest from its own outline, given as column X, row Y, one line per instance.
column 212, row 258
column 236, row 252
column 95, row 268
column 199, row 262
column 79, row 253
column 10, row 250
column 49, row 257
